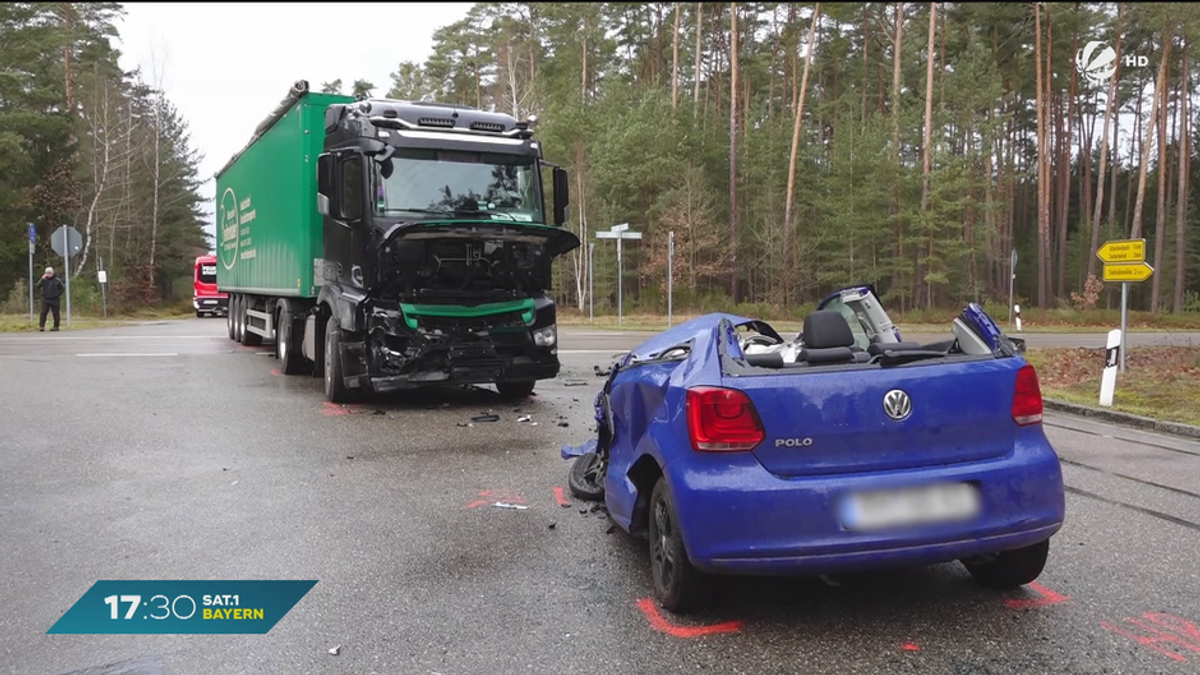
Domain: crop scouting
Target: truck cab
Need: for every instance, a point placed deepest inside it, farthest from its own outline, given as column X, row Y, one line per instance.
column 206, row 299
column 438, row 248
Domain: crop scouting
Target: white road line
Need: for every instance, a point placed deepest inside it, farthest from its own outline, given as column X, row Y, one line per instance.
column 131, row 354
column 614, row 352
column 57, row 338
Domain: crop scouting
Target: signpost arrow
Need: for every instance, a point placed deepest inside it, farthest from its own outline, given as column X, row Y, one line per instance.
column 1127, row 272
column 1122, row 251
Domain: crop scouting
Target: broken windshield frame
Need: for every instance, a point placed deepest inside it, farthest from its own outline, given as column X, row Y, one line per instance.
column 459, row 183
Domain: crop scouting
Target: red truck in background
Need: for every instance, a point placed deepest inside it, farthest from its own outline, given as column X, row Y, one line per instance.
column 205, row 297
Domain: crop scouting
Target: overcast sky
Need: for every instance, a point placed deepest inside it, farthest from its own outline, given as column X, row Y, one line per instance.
column 226, row 66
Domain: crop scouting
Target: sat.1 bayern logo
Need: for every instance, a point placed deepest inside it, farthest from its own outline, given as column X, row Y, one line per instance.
column 1096, row 67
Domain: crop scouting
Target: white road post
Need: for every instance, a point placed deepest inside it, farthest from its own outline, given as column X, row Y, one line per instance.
column 1017, row 308
column 1112, row 356
column 670, row 275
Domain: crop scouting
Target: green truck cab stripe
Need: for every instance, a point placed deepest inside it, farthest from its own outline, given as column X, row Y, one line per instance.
column 411, row 311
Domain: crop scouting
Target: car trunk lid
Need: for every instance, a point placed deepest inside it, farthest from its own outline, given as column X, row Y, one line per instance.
column 855, row 419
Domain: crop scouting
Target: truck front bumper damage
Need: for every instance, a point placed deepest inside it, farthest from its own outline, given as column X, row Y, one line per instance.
column 394, row 356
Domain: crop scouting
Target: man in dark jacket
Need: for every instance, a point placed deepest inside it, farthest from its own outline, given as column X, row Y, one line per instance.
column 52, row 290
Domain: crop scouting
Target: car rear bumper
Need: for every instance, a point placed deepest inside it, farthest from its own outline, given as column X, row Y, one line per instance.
column 205, row 304
column 743, row 519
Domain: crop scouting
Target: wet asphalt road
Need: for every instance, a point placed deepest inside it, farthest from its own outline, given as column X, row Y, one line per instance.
column 165, row 451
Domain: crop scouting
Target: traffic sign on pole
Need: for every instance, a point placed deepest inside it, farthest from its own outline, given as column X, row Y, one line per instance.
column 1122, row 251
column 620, row 233
column 1127, row 272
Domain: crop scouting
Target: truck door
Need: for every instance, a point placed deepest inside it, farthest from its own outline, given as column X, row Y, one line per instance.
column 346, row 233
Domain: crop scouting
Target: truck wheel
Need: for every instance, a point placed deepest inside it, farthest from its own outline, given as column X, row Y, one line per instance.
column 586, row 478
column 249, row 338
column 680, row 587
column 229, row 316
column 335, row 383
column 519, row 389
column 286, row 348
column 1009, row 569
column 238, row 307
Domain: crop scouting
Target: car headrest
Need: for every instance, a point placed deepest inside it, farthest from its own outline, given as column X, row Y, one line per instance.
column 826, row 328
column 828, row 355
column 875, row 348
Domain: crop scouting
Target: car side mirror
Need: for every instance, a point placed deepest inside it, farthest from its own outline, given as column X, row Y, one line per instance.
column 325, row 185
column 562, row 196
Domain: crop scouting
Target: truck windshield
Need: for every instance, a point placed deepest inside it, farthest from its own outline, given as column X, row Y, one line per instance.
column 499, row 186
column 207, row 274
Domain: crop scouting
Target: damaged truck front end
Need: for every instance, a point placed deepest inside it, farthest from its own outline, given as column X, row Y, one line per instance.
column 462, row 303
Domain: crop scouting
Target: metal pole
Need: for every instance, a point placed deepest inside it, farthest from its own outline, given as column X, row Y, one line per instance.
column 620, row 305
column 31, row 282
column 1124, row 312
column 591, row 282
column 670, row 276
column 1012, row 276
column 103, row 295
column 67, row 272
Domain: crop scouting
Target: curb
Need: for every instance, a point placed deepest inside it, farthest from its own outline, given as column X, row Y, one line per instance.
column 1125, row 419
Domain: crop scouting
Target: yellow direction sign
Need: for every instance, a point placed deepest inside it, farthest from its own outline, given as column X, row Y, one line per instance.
column 1123, row 251
column 1129, row 272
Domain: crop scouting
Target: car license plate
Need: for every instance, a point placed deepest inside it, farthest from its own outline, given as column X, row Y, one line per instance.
column 923, row 505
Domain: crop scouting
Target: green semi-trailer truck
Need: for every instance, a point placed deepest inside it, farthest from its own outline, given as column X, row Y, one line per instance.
column 385, row 245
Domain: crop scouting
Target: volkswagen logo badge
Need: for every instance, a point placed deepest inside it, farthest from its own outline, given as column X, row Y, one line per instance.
column 897, row 405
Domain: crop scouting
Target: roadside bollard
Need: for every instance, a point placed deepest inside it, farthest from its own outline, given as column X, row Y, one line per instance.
column 1108, row 381
column 1017, row 310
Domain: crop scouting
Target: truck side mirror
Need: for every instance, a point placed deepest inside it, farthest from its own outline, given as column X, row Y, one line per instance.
column 562, row 196
column 325, row 185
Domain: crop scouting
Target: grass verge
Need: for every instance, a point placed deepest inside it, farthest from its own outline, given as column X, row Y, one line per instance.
column 1158, row 382
column 18, row 323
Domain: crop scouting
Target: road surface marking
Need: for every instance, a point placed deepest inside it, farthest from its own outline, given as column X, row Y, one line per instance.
column 132, row 354
column 659, row 623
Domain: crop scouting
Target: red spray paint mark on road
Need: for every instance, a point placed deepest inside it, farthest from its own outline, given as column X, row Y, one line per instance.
column 331, row 409
column 493, row 496
column 1049, row 597
column 1183, row 626
column 275, row 372
column 659, row 623
column 909, row 647
column 560, row 498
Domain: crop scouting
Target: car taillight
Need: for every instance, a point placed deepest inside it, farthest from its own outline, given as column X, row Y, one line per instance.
column 722, row 420
column 1027, row 398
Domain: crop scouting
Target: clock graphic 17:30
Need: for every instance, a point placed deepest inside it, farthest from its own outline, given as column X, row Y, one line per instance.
column 182, row 607
column 169, row 606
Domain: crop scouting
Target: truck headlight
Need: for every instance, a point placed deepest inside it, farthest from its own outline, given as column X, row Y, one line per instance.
column 195, row 303
column 546, row 337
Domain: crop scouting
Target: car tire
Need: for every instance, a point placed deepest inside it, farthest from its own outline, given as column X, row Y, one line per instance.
column 1009, row 569
column 586, row 478
column 518, row 389
column 291, row 360
column 678, row 586
column 335, row 382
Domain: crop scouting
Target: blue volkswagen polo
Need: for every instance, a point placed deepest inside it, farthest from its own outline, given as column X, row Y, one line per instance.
column 735, row 450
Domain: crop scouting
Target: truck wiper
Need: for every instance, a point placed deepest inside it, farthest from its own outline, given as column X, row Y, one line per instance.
column 893, row 357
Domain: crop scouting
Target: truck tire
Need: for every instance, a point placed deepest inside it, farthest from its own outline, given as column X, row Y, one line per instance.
column 680, row 587
column 249, row 338
column 287, row 348
column 519, row 389
column 1009, row 569
column 229, row 315
column 335, row 383
column 237, row 319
